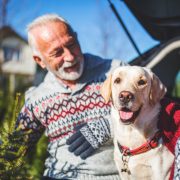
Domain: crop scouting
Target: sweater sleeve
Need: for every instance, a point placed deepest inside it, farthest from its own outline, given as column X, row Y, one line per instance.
column 27, row 122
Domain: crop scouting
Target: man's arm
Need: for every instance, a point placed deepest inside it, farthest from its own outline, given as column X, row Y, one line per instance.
column 27, row 122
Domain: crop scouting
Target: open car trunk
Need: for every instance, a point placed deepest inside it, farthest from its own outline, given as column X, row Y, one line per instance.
column 161, row 19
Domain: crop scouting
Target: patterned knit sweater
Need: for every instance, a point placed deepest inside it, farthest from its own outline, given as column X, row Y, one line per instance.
column 57, row 109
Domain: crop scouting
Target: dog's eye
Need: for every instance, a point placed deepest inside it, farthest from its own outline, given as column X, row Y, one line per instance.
column 141, row 82
column 117, row 80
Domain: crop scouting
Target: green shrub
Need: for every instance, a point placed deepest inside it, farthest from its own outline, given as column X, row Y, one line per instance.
column 13, row 145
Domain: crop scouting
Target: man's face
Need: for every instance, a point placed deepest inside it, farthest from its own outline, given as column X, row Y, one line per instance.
column 60, row 51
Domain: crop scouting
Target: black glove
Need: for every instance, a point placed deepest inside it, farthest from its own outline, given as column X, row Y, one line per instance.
column 88, row 137
column 79, row 145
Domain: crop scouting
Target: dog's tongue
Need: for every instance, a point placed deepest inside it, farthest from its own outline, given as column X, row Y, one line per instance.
column 125, row 115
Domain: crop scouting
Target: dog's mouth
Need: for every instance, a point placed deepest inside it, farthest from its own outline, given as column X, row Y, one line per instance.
column 127, row 116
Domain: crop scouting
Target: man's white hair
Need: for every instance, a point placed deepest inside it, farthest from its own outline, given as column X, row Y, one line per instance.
column 41, row 21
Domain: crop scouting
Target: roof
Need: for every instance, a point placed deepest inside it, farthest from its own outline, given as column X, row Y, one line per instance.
column 7, row 31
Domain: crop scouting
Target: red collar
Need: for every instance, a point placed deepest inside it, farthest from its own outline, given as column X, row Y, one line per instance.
column 150, row 144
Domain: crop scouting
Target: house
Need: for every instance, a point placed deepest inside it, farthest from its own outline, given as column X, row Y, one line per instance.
column 15, row 56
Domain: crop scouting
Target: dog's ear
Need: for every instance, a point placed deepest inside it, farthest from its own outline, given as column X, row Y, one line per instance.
column 106, row 89
column 158, row 89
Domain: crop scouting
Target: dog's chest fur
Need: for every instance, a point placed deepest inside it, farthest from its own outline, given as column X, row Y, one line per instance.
column 154, row 164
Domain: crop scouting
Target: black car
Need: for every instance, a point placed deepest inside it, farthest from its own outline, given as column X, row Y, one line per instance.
column 161, row 19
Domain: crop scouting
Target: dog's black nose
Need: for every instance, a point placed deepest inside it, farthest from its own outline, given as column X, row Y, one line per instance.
column 126, row 96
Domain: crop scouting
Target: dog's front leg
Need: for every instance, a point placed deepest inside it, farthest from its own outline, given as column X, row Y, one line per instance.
column 162, row 163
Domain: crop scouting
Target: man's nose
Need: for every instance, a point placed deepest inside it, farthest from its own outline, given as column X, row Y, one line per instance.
column 68, row 55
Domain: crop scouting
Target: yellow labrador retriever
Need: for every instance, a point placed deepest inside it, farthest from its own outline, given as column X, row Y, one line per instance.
column 139, row 151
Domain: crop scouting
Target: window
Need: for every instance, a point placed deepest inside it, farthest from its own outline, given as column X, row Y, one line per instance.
column 11, row 54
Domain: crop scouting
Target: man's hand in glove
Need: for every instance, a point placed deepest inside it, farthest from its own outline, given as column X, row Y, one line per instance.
column 88, row 137
column 79, row 145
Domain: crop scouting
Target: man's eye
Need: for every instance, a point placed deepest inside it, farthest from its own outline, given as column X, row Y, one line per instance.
column 58, row 53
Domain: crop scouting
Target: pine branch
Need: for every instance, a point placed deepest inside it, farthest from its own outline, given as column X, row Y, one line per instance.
column 13, row 144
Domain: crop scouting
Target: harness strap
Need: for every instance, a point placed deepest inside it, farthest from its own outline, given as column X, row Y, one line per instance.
column 150, row 144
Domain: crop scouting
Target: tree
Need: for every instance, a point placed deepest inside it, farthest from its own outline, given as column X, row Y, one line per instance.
column 17, row 161
column 3, row 12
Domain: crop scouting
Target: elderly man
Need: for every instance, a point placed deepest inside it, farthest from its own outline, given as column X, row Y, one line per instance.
column 68, row 98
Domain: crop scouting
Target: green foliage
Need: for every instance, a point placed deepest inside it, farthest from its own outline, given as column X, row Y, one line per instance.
column 13, row 145
column 1, row 105
column 176, row 91
column 36, row 158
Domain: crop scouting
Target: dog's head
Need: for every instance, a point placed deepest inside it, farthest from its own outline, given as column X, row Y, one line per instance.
column 132, row 88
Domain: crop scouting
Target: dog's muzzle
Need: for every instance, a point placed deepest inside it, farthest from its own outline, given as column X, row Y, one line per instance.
column 127, row 116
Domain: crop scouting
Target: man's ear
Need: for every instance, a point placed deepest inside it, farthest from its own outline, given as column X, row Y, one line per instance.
column 39, row 61
column 158, row 89
column 106, row 89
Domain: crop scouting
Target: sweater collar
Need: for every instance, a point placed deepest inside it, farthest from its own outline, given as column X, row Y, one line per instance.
column 90, row 72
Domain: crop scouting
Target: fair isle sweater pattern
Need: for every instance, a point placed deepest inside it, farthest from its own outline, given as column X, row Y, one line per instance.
column 60, row 113
column 177, row 161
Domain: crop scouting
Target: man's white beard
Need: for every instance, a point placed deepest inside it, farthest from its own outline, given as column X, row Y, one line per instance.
column 71, row 76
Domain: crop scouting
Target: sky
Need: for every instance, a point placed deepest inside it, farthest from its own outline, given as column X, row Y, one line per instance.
column 99, row 32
